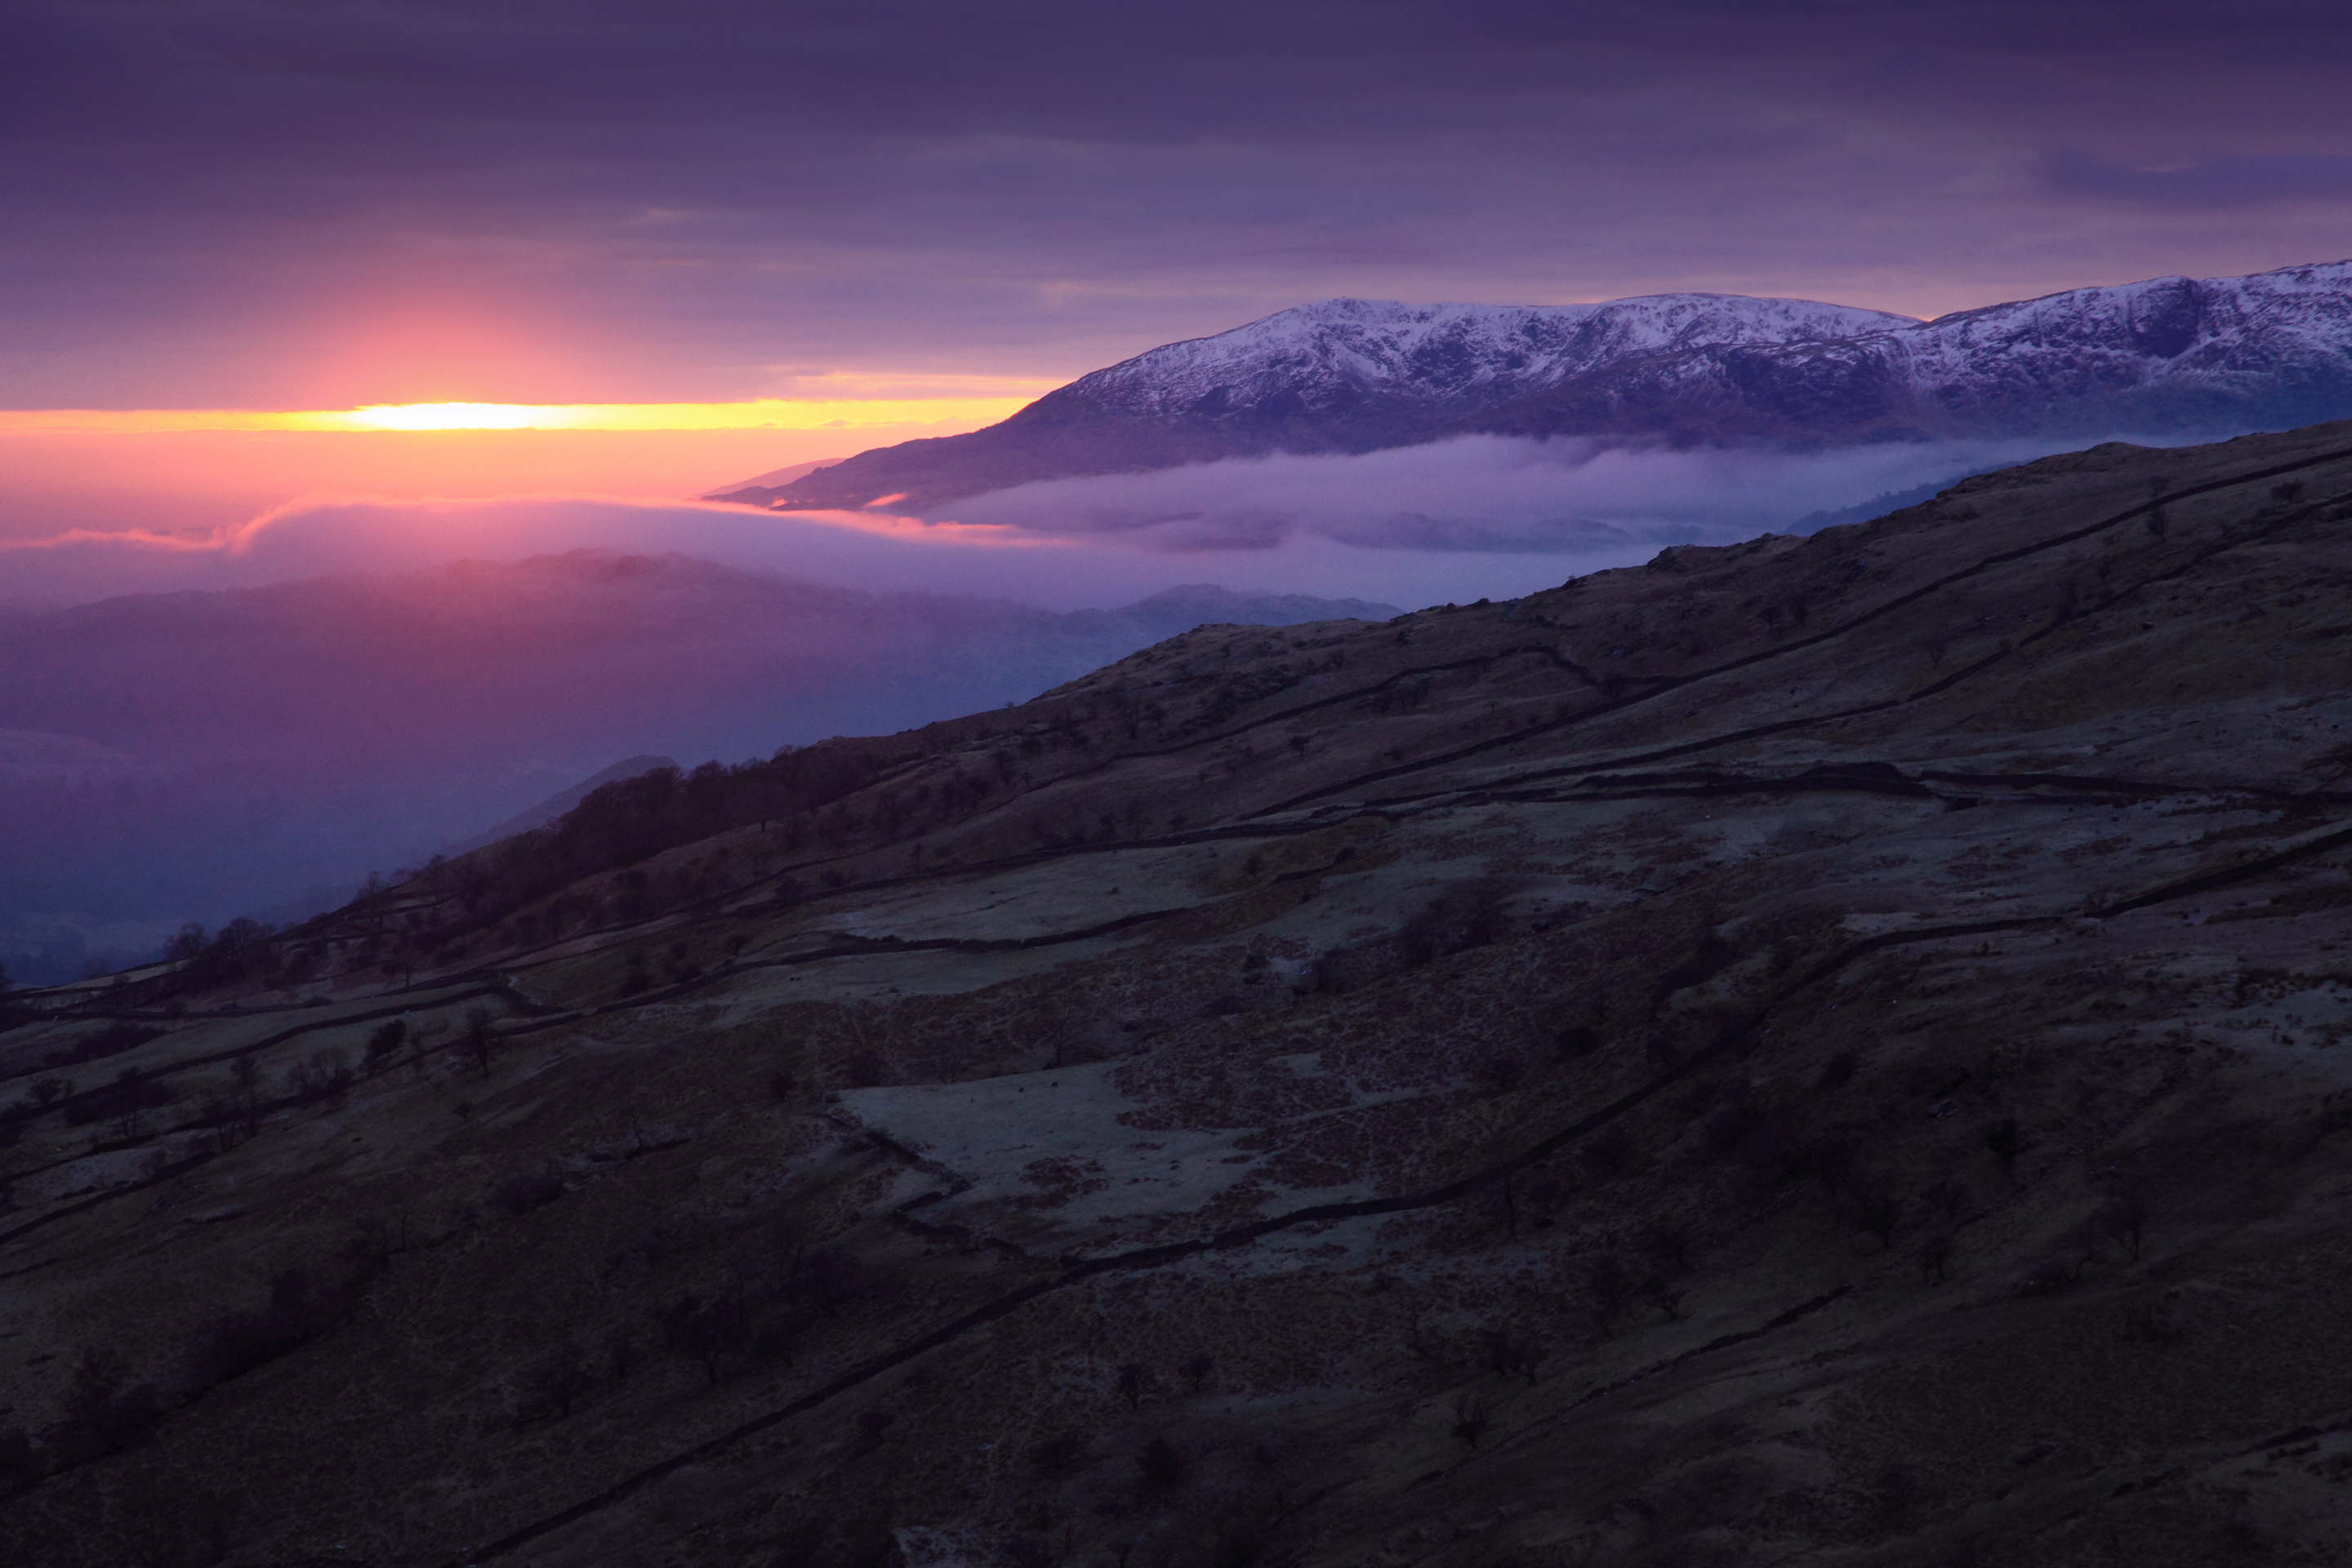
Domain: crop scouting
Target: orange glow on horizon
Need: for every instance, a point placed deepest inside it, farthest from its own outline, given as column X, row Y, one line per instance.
column 760, row 414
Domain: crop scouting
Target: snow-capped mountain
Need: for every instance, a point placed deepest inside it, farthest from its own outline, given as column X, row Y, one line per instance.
column 1330, row 355
column 2171, row 356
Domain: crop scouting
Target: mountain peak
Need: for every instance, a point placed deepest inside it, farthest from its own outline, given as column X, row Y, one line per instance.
column 2198, row 358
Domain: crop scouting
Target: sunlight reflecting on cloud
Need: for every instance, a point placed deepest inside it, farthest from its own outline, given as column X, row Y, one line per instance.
column 1481, row 517
column 845, row 410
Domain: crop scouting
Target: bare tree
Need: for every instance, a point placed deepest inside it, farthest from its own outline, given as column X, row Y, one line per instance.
column 1508, row 1353
column 1947, row 1197
column 1058, row 1451
column 1880, row 1215
column 104, row 1408
column 706, row 1331
column 871, row 1423
column 384, row 1041
column 479, row 1043
column 1160, row 1463
column 1471, row 1418
column 564, row 1377
column 2123, row 1220
column 128, row 1098
column 1605, row 1289
column 247, row 1073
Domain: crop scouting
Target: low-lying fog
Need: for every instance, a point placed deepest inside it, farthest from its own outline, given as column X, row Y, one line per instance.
column 1478, row 517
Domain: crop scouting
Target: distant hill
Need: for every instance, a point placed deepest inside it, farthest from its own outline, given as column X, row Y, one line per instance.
column 2171, row 356
column 556, row 805
column 206, row 755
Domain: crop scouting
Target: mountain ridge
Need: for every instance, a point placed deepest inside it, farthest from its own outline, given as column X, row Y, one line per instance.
column 2168, row 356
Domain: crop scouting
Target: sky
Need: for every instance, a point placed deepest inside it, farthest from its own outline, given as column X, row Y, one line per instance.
column 895, row 219
column 683, row 244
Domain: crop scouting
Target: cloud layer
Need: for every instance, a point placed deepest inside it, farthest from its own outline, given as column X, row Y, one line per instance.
column 1479, row 517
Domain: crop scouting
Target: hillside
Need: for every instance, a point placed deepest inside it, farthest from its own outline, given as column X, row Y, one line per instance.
column 2179, row 356
column 1822, row 1051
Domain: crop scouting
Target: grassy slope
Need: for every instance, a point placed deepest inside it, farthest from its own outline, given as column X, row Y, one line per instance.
column 1533, row 1013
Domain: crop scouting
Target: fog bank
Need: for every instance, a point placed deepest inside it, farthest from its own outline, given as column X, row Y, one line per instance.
column 1479, row 517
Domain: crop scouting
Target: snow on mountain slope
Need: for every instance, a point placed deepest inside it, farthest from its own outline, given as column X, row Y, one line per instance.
column 2166, row 357
column 2215, row 340
column 1341, row 347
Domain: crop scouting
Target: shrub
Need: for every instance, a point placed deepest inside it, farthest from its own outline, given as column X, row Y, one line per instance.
column 1608, row 1154
column 385, row 1039
column 17, row 1465
column 706, row 1332
column 479, row 1043
column 2048, row 1277
column 2001, row 1138
column 1668, row 1243
column 1729, row 1128
column 1947, row 1197
column 1239, row 1549
column 561, row 1378
column 113, row 1040
column 374, row 1239
column 1471, row 1419
column 776, row 1338
column 829, row 1278
column 525, row 1191
column 1160, row 1463
column 1830, row 1159
column 2123, row 1220
column 105, row 1413
column 1605, row 1289
column 1461, row 919
column 327, row 1076
column 1058, row 1452
column 1509, row 1354
column 300, row 1308
column 1880, row 1215
column 1502, row 1071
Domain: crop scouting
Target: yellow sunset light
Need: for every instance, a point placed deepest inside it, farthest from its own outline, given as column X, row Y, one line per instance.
column 460, row 416
column 981, row 404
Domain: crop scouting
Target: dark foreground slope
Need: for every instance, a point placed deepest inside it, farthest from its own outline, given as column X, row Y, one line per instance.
column 1826, row 1051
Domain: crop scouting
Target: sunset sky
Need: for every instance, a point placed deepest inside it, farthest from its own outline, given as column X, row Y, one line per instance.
column 360, row 289
column 226, row 224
